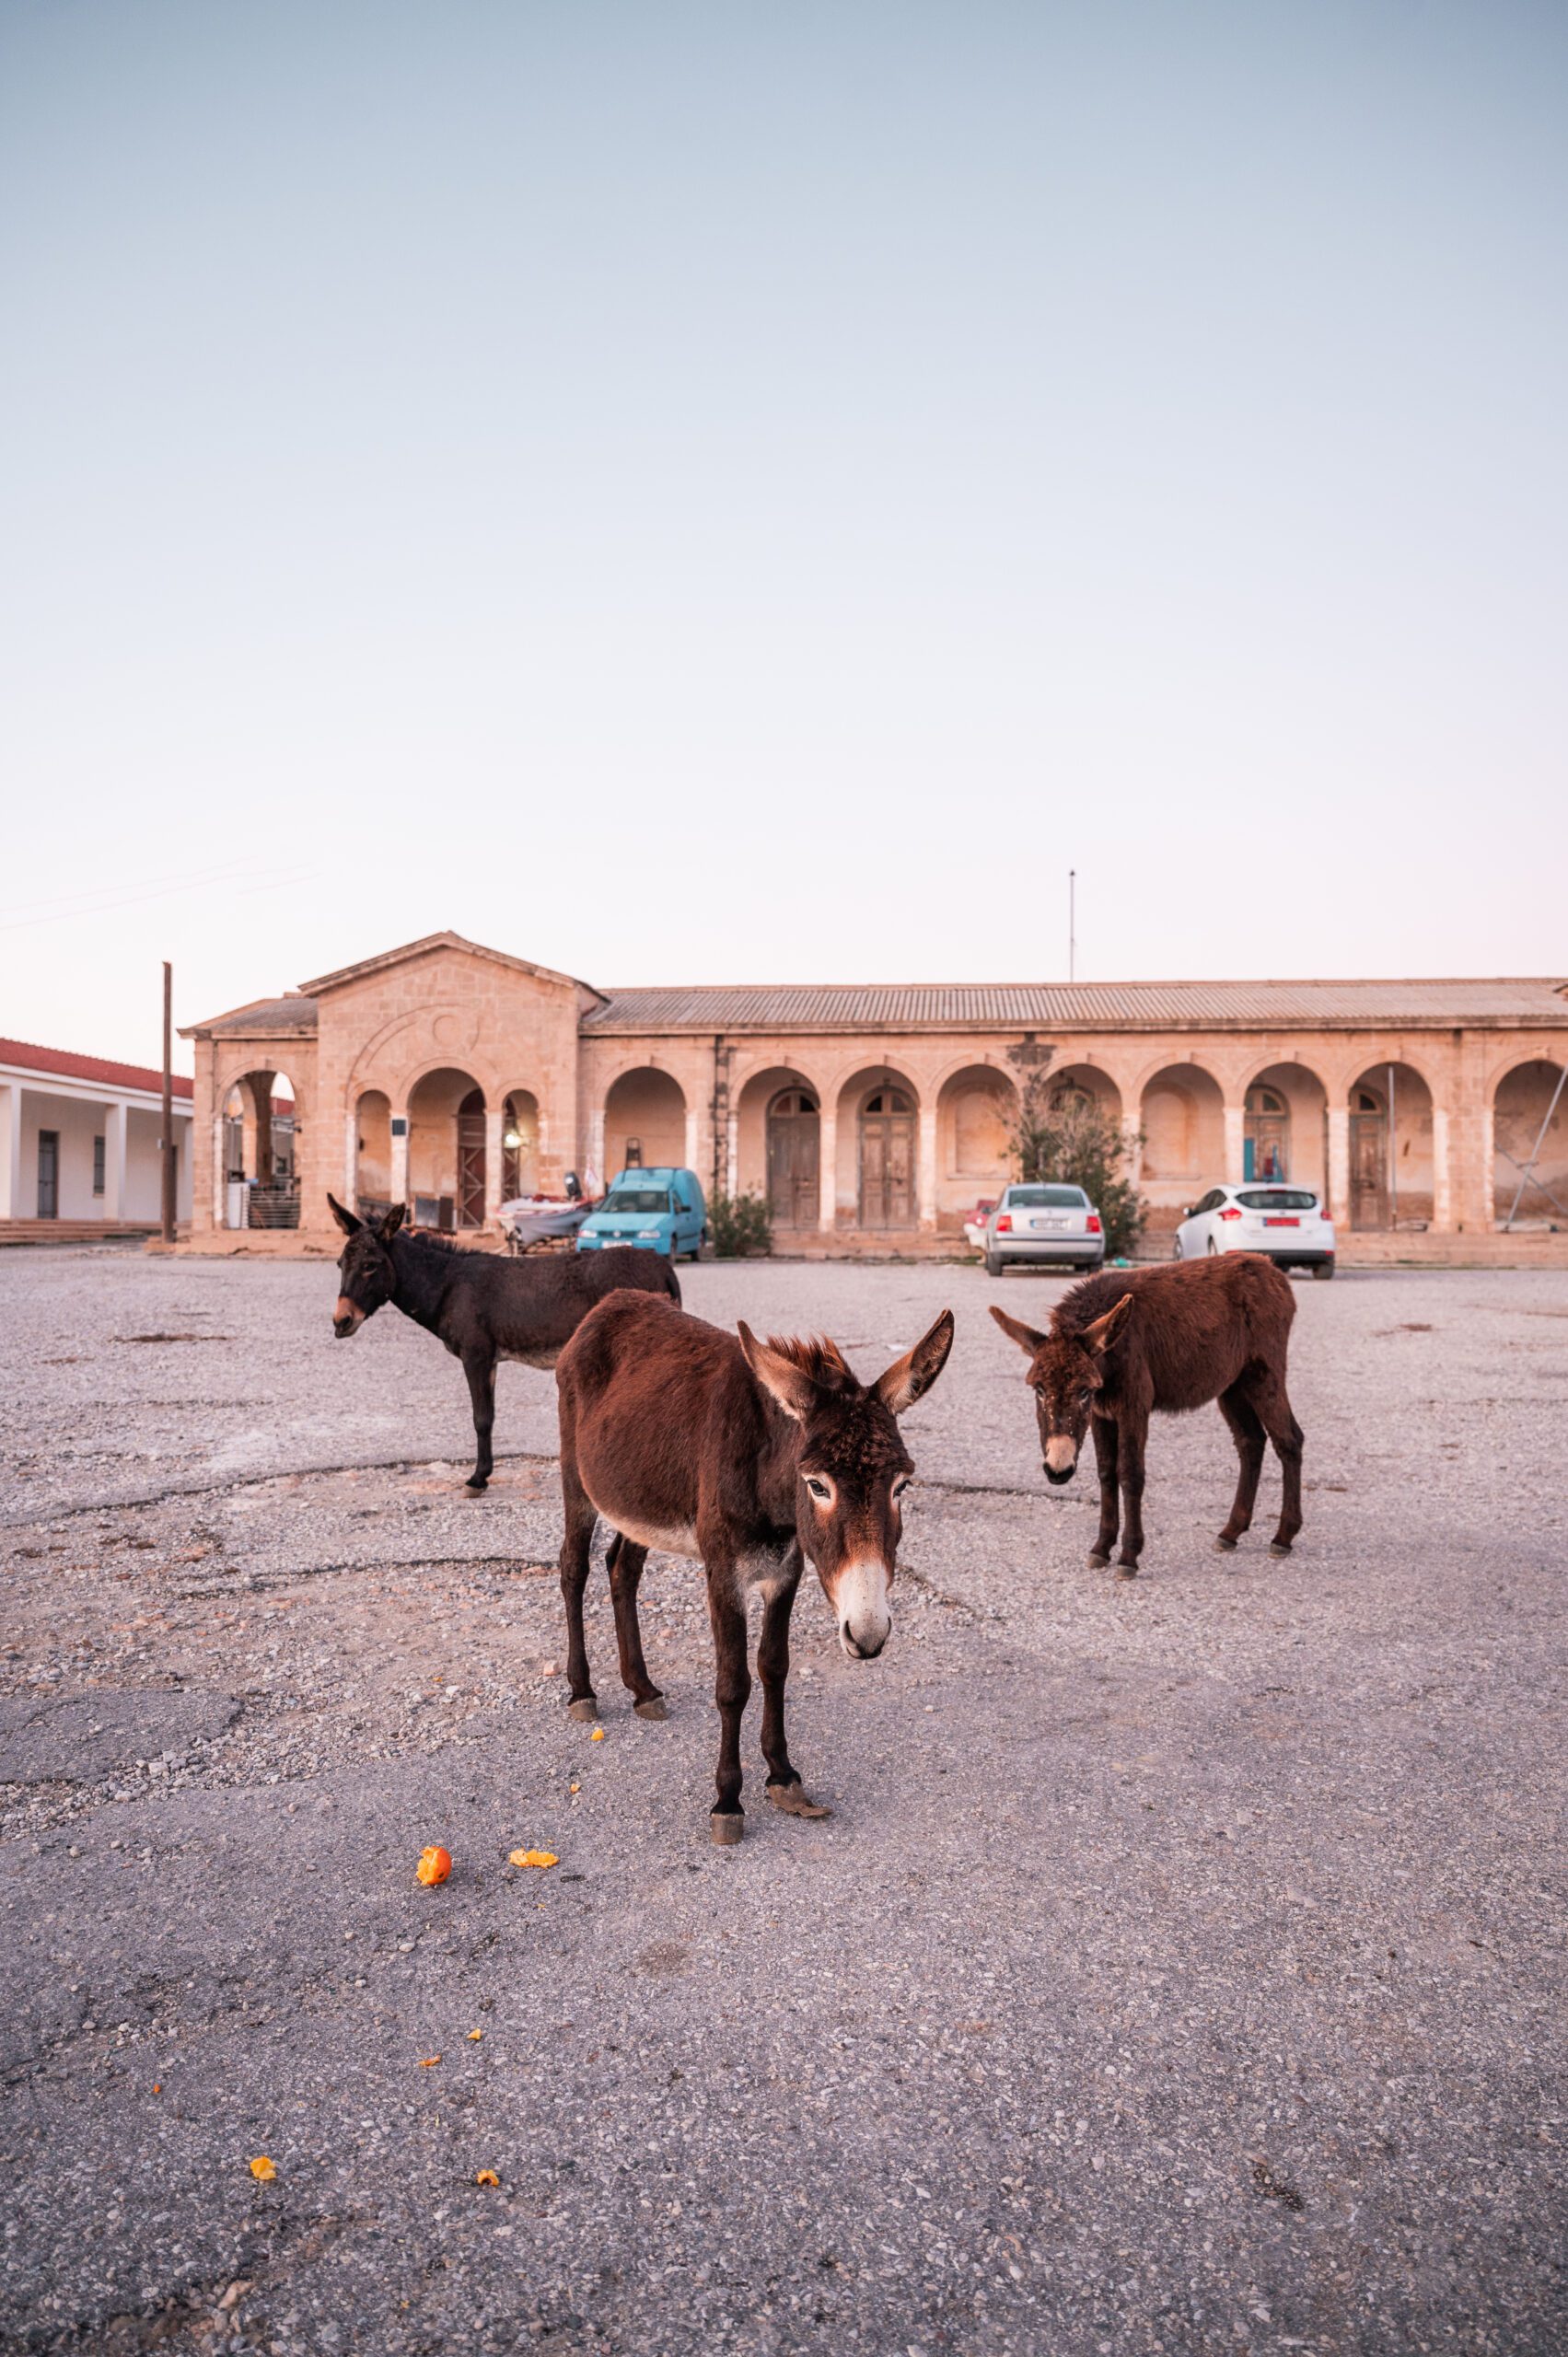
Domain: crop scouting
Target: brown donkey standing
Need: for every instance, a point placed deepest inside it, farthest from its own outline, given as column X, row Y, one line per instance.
column 1166, row 1339
column 751, row 1457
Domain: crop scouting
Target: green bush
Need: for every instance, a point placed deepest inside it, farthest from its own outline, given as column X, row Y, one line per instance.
column 741, row 1227
column 1069, row 1139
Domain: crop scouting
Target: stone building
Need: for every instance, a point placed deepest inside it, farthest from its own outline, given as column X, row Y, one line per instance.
column 873, row 1116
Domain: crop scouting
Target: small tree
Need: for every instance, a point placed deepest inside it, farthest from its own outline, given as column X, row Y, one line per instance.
column 1066, row 1137
column 741, row 1227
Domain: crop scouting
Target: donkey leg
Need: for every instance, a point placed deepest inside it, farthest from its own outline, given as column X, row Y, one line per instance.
column 1273, row 1405
column 785, row 1787
column 574, row 1547
column 1248, row 1434
column 1105, row 1438
column 480, row 1369
column 1130, row 1455
column 626, row 1561
column 732, row 1685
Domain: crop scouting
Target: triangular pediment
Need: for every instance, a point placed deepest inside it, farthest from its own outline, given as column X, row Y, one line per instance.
column 431, row 945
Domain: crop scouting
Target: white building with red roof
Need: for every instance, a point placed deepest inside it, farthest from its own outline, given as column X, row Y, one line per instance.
column 79, row 1139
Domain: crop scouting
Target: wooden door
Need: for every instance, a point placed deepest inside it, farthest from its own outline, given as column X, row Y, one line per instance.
column 471, row 1169
column 48, row 1173
column 794, row 1165
column 1368, row 1170
column 887, row 1160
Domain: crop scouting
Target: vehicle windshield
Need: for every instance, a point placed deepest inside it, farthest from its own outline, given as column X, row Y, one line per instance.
column 636, row 1199
column 1277, row 1199
column 1048, row 1198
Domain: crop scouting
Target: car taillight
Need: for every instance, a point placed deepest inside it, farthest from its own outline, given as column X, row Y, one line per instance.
column 1230, row 1212
column 1093, row 1223
column 1004, row 1225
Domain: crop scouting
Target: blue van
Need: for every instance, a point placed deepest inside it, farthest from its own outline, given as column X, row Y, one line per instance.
column 661, row 1210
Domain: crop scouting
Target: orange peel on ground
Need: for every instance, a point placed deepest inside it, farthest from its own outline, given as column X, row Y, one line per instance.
column 486, row 2177
column 597, row 1735
column 434, row 1864
column 428, row 2061
column 532, row 1858
column 476, row 2033
column 263, row 2169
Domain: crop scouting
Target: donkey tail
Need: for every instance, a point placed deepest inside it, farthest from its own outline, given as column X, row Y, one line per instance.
column 672, row 1282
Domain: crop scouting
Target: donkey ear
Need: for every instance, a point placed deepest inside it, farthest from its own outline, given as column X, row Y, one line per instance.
column 790, row 1384
column 345, row 1220
column 391, row 1222
column 1103, row 1332
column 909, row 1378
column 1028, row 1341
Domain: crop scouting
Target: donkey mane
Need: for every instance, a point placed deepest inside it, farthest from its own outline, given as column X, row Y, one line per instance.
column 432, row 1243
column 818, row 1357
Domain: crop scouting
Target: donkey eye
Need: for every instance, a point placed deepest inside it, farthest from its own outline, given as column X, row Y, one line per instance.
column 899, row 1486
column 818, row 1489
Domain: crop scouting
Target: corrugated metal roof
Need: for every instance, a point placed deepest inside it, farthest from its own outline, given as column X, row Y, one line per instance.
column 1031, row 1005
column 102, row 1069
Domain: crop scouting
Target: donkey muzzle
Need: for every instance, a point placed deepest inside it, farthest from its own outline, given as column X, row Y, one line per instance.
column 346, row 1318
column 866, row 1621
column 1061, row 1459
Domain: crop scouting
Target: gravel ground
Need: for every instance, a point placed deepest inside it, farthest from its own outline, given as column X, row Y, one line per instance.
column 1180, row 1971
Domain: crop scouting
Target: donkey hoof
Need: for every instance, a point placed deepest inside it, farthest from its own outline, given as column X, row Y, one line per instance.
column 1279, row 1546
column 1098, row 1562
column 1223, row 1545
column 794, row 1801
column 474, row 1488
column 726, row 1828
column 1127, row 1571
column 654, row 1708
column 585, row 1707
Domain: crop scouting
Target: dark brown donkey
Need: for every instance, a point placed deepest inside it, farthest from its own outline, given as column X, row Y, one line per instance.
column 481, row 1306
column 1170, row 1339
column 752, row 1457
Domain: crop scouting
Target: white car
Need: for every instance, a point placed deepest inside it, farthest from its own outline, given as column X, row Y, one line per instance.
column 1287, row 1224
column 1042, row 1222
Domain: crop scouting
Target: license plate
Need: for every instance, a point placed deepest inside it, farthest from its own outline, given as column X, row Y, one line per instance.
column 1056, row 1223
column 1282, row 1223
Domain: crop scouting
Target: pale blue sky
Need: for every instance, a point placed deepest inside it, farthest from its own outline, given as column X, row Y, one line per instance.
column 725, row 492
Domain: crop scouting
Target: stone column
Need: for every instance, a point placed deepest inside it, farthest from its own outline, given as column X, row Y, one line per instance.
column 11, row 1205
column 220, row 1172
column 115, row 1131
column 692, row 1146
column 828, row 1170
column 926, row 1171
column 732, row 1152
column 1442, row 1173
column 350, row 1188
column 400, row 1161
column 596, row 1149
column 1339, row 1164
column 495, row 1124
column 1235, row 1145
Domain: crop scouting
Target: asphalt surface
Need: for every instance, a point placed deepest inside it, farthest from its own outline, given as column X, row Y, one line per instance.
column 1181, row 1969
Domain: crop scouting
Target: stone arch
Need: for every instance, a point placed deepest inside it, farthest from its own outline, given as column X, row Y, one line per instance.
column 1392, row 1165
column 260, row 1135
column 446, row 1156
column 1529, row 1129
column 1285, row 1134
column 779, row 1143
column 644, row 1121
column 976, row 1109
column 1181, row 1114
column 879, row 1148
column 1089, row 1081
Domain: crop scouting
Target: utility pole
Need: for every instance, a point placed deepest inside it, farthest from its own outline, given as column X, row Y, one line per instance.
column 169, row 1197
column 1072, row 924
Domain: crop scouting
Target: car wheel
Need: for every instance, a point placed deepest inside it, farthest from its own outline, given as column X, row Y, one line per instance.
column 1094, row 1267
column 994, row 1264
column 1213, row 1253
column 1323, row 1269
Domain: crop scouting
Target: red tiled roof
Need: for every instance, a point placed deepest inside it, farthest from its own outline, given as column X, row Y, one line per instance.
column 98, row 1068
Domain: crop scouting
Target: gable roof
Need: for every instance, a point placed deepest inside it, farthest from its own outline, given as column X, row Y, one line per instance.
column 423, row 948
column 855, row 1007
column 102, row 1069
column 294, row 1016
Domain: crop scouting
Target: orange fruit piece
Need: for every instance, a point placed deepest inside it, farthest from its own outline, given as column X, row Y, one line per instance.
column 434, row 1864
column 486, row 2177
column 262, row 2168
column 428, row 2061
column 597, row 1735
column 476, row 2033
column 533, row 1858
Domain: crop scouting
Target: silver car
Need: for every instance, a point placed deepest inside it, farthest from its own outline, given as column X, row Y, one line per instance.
column 1042, row 1221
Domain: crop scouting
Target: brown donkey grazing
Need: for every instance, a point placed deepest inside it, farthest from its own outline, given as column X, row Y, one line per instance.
column 1170, row 1339
column 752, row 1457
